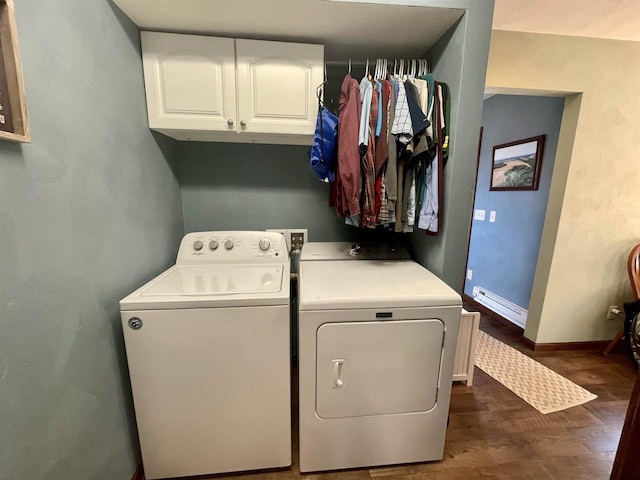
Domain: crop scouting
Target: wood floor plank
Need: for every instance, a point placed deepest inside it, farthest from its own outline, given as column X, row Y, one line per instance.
column 555, row 443
column 527, row 470
column 600, row 439
column 584, row 467
column 609, row 413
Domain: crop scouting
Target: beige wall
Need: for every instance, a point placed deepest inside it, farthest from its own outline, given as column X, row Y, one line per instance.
column 593, row 218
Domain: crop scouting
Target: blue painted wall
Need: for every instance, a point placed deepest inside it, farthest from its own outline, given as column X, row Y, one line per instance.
column 89, row 211
column 503, row 255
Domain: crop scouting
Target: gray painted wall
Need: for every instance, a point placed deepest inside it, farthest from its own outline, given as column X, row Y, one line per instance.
column 88, row 211
column 229, row 186
column 460, row 60
column 503, row 255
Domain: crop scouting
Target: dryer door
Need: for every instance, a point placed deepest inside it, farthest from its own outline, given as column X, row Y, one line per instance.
column 378, row 368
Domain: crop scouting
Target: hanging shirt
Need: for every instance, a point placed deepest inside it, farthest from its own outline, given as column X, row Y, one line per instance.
column 390, row 179
column 428, row 218
column 430, row 101
column 402, row 120
column 419, row 120
column 379, row 125
column 347, row 191
column 366, row 93
column 368, row 217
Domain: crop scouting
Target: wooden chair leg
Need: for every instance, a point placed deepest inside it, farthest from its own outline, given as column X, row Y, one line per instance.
column 614, row 342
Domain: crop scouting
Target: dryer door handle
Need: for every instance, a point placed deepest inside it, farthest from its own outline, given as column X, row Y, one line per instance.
column 338, row 373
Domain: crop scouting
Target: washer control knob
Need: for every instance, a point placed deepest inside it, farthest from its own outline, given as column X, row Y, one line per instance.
column 264, row 244
column 228, row 244
column 356, row 249
column 197, row 245
column 213, row 245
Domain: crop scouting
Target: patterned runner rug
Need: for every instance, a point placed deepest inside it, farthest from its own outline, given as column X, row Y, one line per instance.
column 542, row 388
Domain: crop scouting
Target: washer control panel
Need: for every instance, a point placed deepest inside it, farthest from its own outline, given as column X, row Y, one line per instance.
column 233, row 247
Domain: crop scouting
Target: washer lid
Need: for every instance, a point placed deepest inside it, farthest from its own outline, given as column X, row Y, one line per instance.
column 333, row 285
column 203, row 286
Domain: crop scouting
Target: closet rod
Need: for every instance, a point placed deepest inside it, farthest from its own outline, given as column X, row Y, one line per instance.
column 346, row 62
column 362, row 63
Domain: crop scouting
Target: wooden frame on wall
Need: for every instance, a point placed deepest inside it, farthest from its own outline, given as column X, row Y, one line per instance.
column 14, row 124
column 516, row 165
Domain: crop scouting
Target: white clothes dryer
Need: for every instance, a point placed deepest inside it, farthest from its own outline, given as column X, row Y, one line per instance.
column 208, row 350
column 377, row 339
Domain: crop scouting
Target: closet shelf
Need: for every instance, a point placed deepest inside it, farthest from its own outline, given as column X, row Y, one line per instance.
column 347, row 29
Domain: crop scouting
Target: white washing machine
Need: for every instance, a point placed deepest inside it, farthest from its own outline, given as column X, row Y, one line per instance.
column 377, row 339
column 208, row 349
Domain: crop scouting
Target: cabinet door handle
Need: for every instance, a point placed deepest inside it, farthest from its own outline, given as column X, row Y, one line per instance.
column 243, row 123
column 338, row 373
column 230, row 122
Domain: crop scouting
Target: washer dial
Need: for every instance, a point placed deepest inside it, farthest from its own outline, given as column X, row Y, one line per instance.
column 264, row 244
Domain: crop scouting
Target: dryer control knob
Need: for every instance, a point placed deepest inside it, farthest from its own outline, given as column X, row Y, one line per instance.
column 197, row 245
column 228, row 244
column 264, row 244
column 213, row 245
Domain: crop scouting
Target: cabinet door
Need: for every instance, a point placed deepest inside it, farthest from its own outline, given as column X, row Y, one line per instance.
column 190, row 81
column 277, row 86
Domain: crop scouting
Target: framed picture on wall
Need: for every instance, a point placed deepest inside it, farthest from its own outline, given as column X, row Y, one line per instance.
column 14, row 124
column 516, row 165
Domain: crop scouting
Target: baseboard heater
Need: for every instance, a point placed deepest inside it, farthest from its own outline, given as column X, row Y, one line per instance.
column 501, row 306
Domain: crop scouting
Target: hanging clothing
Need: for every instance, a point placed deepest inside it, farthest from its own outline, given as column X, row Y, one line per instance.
column 369, row 215
column 379, row 87
column 446, row 120
column 382, row 140
column 433, row 184
column 384, row 217
column 366, row 93
column 428, row 218
column 402, row 120
column 346, row 197
column 393, row 142
column 419, row 120
column 391, row 179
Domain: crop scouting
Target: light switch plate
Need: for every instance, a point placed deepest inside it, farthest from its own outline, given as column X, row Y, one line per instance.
column 469, row 274
column 492, row 216
column 478, row 215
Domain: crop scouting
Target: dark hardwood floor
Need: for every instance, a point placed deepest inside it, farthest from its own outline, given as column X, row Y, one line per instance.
column 494, row 434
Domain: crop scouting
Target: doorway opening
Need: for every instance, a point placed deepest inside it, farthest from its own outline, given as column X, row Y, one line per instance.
column 511, row 202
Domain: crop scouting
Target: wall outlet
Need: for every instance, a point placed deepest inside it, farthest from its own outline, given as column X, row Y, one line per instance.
column 478, row 215
column 298, row 237
column 492, row 216
column 613, row 312
column 295, row 237
column 469, row 274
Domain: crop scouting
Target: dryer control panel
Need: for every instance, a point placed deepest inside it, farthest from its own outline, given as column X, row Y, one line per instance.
column 232, row 247
column 353, row 251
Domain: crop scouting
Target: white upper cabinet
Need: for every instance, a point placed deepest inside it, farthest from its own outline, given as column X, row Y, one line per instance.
column 276, row 86
column 221, row 89
column 190, row 81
